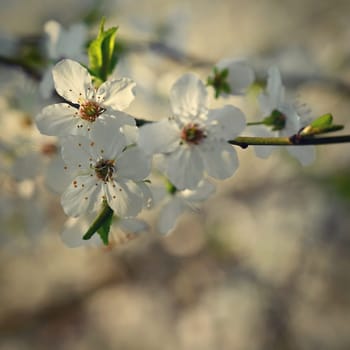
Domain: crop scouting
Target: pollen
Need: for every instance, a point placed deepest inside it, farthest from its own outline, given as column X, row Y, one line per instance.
column 193, row 134
column 104, row 169
column 90, row 110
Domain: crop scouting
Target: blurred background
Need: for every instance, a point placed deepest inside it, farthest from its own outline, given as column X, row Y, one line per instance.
column 264, row 265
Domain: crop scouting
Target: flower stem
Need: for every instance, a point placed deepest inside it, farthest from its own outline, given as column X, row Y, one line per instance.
column 294, row 140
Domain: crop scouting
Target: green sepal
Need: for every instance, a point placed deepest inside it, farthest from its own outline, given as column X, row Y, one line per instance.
column 101, row 224
column 102, row 53
column 321, row 125
column 103, row 231
column 277, row 120
column 170, row 188
column 219, row 81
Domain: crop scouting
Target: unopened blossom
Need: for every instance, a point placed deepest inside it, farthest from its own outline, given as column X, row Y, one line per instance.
column 86, row 106
column 176, row 202
column 194, row 141
column 104, row 170
column 121, row 232
column 286, row 120
column 240, row 75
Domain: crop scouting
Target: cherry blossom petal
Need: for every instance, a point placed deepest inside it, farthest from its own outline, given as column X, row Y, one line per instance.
column 274, row 95
column 304, row 154
column 220, row 161
column 169, row 214
column 132, row 225
column 133, row 164
column 74, row 230
column 188, row 96
column 108, row 141
column 121, row 117
column 201, row 193
column 76, row 153
column 185, row 167
column 58, row 120
column 227, row 122
column 159, row 137
column 240, row 77
column 56, row 177
column 116, row 94
column 82, row 196
column 72, row 81
column 124, row 198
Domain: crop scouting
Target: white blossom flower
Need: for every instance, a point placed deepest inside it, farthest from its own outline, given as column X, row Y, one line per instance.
column 240, row 75
column 194, row 141
column 174, row 204
column 104, row 170
column 287, row 116
column 62, row 43
column 87, row 106
column 121, row 232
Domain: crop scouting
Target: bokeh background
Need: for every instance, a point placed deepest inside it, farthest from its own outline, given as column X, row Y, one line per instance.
column 264, row 265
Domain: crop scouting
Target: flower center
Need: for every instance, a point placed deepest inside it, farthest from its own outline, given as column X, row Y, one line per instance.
column 193, row 134
column 104, row 169
column 90, row 110
column 277, row 120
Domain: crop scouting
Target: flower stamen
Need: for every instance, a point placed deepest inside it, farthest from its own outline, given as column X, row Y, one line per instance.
column 193, row 134
column 90, row 110
column 104, row 169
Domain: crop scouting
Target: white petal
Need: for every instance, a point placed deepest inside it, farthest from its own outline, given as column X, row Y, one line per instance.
column 220, row 161
column 122, row 118
column 170, row 214
column 74, row 230
column 72, row 41
column 185, row 167
column 201, row 193
column 132, row 225
column 76, row 153
column 240, row 77
column 133, row 164
column 46, row 85
column 159, row 137
column 108, row 141
column 116, row 94
column 82, row 196
column 188, row 96
column 72, row 81
column 124, row 198
column 273, row 98
column 226, row 123
column 52, row 30
column 58, row 120
column 304, row 154
column 56, row 178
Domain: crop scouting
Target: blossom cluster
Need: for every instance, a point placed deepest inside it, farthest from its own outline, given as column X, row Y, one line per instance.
column 108, row 159
column 107, row 155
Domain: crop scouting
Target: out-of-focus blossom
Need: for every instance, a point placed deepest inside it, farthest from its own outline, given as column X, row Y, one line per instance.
column 284, row 120
column 174, row 203
column 62, row 43
column 122, row 231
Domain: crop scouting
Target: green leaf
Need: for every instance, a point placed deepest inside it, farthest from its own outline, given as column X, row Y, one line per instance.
column 323, row 121
column 103, row 231
column 101, row 224
column 321, row 125
column 102, row 53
